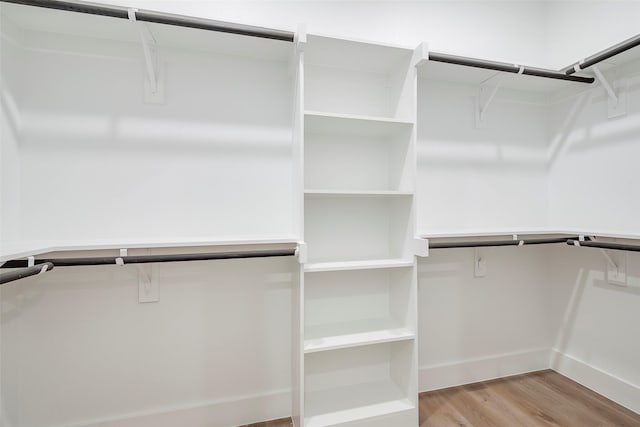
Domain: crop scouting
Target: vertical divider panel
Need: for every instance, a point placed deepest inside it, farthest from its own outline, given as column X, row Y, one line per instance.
column 297, row 66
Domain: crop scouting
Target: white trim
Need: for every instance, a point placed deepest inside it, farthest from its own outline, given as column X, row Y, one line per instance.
column 468, row 371
column 620, row 391
column 238, row 410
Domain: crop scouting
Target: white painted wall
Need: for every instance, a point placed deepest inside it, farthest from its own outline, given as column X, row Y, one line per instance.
column 78, row 348
column 474, row 28
column 478, row 179
column 592, row 181
column 476, row 328
column 593, row 186
column 197, row 166
column 11, row 61
column 578, row 29
column 596, row 323
column 91, row 162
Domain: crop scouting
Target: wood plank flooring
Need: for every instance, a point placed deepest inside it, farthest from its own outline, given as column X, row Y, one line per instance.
column 543, row 398
column 538, row 399
column 284, row 422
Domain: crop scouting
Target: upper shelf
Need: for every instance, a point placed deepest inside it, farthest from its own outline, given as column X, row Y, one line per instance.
column 542, row 231
column 349, row 124
column 41, row 20
column 24, row 250
column 355, row 54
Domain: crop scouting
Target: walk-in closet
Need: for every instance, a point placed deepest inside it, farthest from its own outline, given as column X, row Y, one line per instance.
column 319, row 213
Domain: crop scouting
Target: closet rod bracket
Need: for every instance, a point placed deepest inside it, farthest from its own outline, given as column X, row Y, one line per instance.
column 617, row 102
column 421, row 247
column 300, row 38
column 490, row 86
column 302, row 253
column 616, row 271
column 153, row 90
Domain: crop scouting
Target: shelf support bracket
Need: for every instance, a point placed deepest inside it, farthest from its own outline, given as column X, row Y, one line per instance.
column 605, row 83
column 300, row 38
column 420, row 55
column 617, row 102
column 616, row 272
column 421, row 247
column 490, row 85
column 153, row 93
column 302, row 253
column 299, row 43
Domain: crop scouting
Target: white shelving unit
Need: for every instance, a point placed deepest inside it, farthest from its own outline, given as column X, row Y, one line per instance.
column 356, row 265
column 366, row 385
column 358, row 307
column 357, row 352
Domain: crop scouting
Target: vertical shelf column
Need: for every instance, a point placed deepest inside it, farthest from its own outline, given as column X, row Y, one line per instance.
column 298, row 296
column 357, row 351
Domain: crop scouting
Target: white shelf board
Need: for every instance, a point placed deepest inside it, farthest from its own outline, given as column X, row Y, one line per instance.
column 354, row 54
column 317, row 122
column 485, row 232
column 24, row 250
column 89, row 26
column 355, row 333
column 542, row 231
column 358, row 193
column 358, row 402
column 314, row 267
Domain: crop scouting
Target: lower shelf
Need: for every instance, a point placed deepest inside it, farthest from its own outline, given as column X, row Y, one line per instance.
column 357, row 402
column 355, row 333
column 358, row 265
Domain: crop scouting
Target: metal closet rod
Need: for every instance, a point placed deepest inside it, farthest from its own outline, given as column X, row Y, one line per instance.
column 603, row 245
column 506, row 67
column 144, row 259
column 160, row 18
column 488, row 243
column 603, row 55
column 25, row 272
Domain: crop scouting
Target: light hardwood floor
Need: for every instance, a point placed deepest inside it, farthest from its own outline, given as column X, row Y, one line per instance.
column 543, row 398
column 538, row 399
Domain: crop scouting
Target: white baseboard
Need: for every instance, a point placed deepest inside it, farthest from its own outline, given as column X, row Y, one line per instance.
column 223, row 413
column 610, row 386
column 480, row 369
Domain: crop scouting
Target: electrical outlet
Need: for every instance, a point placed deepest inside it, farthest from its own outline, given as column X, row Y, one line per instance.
column 479, row 264
column 148, row 287
column 617, row 275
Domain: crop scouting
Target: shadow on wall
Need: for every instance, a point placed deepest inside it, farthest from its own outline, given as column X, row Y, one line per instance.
column 77, row 346
column 513, row 138
column 586, row 125
column 589, row 300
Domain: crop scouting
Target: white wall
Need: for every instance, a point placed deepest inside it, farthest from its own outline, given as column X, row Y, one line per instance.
column 593, row 186
column 196, row 166
column 479, row 179
column 97, row 164
column 78, row 348
column 578, row 29
column 476, row 328
column 11, row 61
column 474, row 28
column 596, row 323
column 592, row 182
